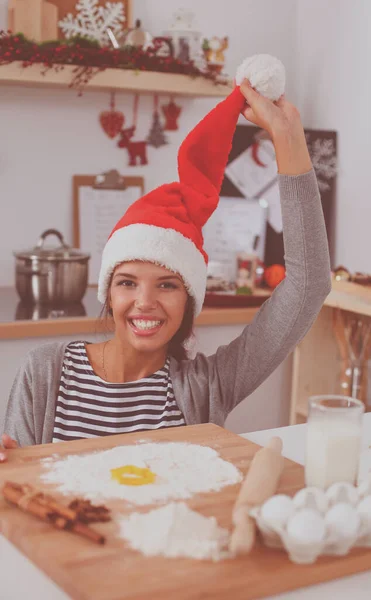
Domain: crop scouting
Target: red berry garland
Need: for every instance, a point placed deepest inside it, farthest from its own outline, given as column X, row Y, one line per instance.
column 89, row 58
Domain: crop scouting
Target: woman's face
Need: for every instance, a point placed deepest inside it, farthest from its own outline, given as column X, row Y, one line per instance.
column 148, row 303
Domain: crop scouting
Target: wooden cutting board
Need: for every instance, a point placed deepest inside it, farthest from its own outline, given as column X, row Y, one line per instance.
column 87, row 571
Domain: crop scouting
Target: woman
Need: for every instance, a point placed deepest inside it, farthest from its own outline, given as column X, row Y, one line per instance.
column 152, row 281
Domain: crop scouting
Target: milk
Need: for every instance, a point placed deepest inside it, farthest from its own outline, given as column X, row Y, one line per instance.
column 333, row 448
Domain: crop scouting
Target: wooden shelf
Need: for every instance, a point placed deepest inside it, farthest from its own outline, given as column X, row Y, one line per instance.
column 146, row 82
column 351, row 297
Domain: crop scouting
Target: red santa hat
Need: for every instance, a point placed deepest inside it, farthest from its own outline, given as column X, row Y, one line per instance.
column 165, row 225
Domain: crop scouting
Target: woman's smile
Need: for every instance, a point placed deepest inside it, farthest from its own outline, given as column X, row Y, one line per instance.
column 145, row 326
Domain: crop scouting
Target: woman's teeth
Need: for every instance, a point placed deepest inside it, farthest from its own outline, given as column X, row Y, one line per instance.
column 139, row 324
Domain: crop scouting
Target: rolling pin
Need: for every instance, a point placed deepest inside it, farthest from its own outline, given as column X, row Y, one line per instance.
column 261, row 482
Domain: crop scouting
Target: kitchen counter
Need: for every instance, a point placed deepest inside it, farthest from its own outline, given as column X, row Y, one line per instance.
column 21, row 321
column 32, row 584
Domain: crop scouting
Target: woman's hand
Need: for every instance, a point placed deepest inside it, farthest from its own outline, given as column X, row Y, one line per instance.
column 7, row 444
column 282, row 121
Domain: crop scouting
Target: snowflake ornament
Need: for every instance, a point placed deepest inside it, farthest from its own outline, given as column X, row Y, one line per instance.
column 92, row 21
column 324, row 161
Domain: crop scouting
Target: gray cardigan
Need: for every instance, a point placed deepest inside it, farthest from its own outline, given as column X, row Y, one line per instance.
column 207, row 388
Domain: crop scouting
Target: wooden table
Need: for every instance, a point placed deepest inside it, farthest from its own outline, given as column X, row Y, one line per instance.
column 266, row 565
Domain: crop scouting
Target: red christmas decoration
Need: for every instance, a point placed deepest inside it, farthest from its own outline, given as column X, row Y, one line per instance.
column 255, row 154
column 273, row 275
column 135, row 149
column 171, row 113
column 112, row 121
column 90, row 59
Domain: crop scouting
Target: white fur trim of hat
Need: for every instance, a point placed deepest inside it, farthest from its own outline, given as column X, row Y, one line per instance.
column 165, row 247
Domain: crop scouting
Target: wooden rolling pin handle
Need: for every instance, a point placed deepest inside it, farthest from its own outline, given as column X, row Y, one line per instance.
column 275, row 444
column 260, row 483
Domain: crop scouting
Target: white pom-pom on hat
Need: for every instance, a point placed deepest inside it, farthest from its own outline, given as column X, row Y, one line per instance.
column 265, row 73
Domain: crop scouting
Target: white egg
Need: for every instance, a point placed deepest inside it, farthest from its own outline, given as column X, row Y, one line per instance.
column 342, row 521
column 277, row 510
column 364, row 488
column 342, row 492
column 306, row 527
column 364, row 510
column 311, row 497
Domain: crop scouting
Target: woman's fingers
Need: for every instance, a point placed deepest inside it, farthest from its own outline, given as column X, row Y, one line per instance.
column 8, row 442
column 248, row 113
column 281, row 101
column 250, row 94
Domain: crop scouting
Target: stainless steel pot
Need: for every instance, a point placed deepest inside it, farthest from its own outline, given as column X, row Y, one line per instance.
column 53, row 276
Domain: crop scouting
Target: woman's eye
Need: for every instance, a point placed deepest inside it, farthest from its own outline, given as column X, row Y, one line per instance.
column 169, row 285
column 126, row 283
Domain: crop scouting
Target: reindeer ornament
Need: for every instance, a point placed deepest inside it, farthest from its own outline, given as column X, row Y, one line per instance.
column 136, row 149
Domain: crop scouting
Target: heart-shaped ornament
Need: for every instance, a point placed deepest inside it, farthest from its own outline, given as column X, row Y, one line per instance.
column 112, row 122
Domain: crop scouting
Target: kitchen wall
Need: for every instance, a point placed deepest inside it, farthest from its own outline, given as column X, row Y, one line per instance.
column 48, row 136
column 333, row 91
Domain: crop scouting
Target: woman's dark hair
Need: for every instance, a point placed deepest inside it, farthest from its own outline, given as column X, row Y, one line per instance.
column 177, row 343
column 177, row 347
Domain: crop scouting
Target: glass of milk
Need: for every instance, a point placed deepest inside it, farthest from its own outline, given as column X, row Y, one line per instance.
column 333, row 443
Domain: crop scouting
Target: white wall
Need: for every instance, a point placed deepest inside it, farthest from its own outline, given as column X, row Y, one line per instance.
column 333, row 79
column 48, row 136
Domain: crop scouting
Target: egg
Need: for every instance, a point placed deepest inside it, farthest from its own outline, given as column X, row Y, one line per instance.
column 306, row 527
column 364, row 510
column 342, row 492
column 311, row 497
column 277, row 510
column 364, row 488
column 342, row 521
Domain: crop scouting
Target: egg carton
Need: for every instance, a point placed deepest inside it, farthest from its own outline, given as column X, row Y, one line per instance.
column 316, row 522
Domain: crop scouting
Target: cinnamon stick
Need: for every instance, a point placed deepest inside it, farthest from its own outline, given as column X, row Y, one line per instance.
column 48, row 509
column 85, row 530
column 14, row 494
column 63, row 511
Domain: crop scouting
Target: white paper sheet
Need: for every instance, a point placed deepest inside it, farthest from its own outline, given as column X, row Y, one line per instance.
column 99, row 211
column 232, row 228
column 249, row 177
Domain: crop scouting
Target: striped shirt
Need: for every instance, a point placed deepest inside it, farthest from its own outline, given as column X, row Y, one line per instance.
column 87, row 406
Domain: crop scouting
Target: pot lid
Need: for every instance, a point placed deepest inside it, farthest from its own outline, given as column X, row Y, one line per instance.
column 53, row 253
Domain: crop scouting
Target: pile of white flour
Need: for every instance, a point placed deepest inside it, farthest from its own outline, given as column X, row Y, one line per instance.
column 181, row 470
column 174, row 531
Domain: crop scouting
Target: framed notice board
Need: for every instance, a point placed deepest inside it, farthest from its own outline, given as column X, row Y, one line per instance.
column 98, row 203
column 251, row 173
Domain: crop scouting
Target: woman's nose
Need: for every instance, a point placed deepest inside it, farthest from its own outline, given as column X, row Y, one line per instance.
column 146, row 299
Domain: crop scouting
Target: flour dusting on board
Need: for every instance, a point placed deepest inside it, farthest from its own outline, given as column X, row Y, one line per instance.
column 181, row 470
column 174, row 531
